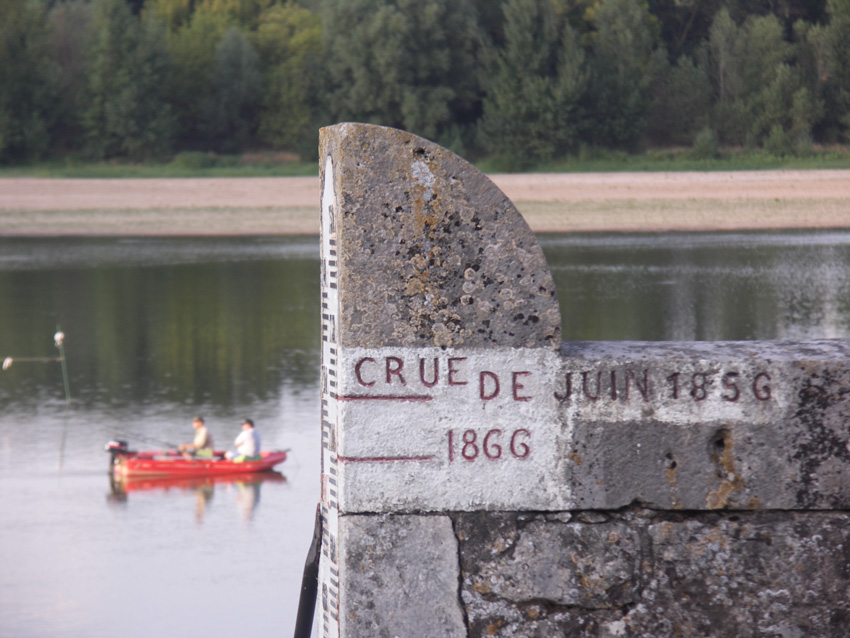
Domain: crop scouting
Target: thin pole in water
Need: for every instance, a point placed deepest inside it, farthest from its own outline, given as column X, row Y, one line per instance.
column 59, row 340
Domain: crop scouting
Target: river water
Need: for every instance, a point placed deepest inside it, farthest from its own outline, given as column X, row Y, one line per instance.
column 158, row 330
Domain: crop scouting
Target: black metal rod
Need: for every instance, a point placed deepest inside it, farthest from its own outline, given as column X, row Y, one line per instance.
column 310, row 582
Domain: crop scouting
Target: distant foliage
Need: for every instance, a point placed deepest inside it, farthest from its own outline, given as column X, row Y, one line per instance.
column 127, row 113
column 412, row 64
column 29, row 81
column 682, row 105
column 230, row 113
column 192, row 43
column 289, row 41
column 836, row 68
column 522, row 82
column 624, row 60
column 69, row 25
column 536, row 82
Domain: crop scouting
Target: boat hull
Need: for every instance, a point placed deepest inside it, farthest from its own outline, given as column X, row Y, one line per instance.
column 170, row 464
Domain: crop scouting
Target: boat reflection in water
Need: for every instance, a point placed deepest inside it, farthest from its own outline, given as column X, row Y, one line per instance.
column 246, row 488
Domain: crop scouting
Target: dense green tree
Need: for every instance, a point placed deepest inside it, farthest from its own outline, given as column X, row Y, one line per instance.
column 244, row 13
column 768, row 80
column 624, row 61
column 230, row 113
column 70, row 31
column 411, row 64
column 28, row 81
column 531, row 111
column 720, row 59
column 683, row 24
column 683, row 104
column 759, row 92
column 127, row 113
column 835, row 41
column 173, row 13
column 289, row 42
column 192, row 47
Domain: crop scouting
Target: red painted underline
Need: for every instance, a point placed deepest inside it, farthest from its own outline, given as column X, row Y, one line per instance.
column 385, row 397
column 383, row 459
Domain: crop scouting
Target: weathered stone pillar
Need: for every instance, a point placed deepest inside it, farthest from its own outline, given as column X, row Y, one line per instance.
column 479, row 477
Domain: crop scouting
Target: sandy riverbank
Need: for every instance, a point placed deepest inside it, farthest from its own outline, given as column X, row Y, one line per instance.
column 549, row 202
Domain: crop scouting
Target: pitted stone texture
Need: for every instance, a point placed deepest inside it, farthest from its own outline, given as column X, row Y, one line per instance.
column 431, row 251
column 399, row 577
column 767, row 574
column 744, row 425
column 747, row 575
column 568, row 564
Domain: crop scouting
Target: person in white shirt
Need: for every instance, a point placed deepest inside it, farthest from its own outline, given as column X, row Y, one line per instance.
column 248, row 442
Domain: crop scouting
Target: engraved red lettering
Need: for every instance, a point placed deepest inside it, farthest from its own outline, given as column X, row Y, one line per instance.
column 674, row 379
column 469, row 451
column 492, row 451
column 762, row 392
column 453, row 371
column 698, row 381
column 357, row 371
column 517, row 386
column 643, row 389
column 486, row 396
column 520, row 450
column 436, row 375
column 394, row 367
column 568, row 388
column 585, row 389
column 613, row 385
column 728, row 382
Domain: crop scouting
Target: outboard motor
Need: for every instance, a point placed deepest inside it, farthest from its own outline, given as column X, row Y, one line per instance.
column 116, row 449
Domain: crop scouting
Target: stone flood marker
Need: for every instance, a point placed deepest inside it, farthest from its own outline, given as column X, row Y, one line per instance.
column 480, row 477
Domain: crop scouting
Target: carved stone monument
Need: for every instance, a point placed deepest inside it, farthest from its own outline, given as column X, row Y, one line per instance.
column 480, row 477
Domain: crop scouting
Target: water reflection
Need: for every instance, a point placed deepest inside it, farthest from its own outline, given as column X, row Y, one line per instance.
column 702, row 286
column 221, row 321
column 245, row 489
column 159, row 330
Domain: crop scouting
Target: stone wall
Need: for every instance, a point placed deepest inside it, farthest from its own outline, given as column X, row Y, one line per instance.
column 482, row 478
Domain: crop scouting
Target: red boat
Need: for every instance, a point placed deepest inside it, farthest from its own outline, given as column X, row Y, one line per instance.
column 126, row 463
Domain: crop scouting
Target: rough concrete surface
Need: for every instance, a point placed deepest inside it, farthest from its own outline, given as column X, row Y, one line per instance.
column 662, row 489
column 711, row 425
column 443, row 257
column 640, row 572
column 417, row 594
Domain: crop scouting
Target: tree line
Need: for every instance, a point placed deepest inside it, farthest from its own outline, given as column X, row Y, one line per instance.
column 520, row 81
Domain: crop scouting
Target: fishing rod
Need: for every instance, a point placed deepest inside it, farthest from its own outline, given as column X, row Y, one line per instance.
column 145, row 438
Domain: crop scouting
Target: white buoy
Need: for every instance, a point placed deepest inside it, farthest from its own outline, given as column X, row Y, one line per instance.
column 59, row 337
column 7, row 363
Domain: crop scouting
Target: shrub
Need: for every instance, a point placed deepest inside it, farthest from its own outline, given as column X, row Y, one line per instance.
column 706, row 144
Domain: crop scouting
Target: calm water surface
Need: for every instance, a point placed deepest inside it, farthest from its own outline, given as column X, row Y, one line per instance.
column 159, row 330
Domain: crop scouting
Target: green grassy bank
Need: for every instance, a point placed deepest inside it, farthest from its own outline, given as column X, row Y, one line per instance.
column 587, row 161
